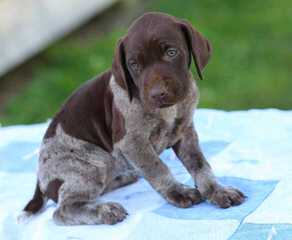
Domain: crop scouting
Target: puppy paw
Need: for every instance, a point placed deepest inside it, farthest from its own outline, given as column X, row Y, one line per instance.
column 112, row 213
column 182, row 196
column 225, row 197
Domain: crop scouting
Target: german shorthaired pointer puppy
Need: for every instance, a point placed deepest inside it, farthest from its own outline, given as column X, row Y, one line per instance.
column 113, row 128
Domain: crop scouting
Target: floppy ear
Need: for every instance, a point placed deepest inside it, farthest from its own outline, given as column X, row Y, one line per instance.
column 120, row 70
column 199, row 47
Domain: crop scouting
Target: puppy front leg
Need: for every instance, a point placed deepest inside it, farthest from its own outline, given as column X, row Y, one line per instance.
column 142, row 155
column 189, row 152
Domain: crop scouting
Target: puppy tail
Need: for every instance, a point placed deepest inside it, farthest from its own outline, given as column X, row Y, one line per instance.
column 34, row 205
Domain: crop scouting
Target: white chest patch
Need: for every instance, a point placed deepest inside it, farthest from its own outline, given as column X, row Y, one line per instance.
column 160, row 127
column 169, row 114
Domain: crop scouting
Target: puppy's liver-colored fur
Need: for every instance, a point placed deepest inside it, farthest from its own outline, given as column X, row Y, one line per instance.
column 112, row 129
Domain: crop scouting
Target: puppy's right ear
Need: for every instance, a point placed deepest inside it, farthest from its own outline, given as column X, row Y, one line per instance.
column 120, row 70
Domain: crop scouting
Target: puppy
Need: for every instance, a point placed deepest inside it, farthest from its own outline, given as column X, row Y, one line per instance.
column 113, row 128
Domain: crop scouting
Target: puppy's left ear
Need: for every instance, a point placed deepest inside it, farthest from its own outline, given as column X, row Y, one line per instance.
column 120, row 70
column 199, row 47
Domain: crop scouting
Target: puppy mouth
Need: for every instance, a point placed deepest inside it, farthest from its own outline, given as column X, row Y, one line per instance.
column 170, row 98
column 165, row 105
column 168, row 102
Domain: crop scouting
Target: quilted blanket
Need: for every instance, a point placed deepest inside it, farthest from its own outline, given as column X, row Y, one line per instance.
column 251, row 150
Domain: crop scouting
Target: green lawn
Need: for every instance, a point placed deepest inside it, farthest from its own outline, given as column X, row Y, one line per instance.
column 251, row 65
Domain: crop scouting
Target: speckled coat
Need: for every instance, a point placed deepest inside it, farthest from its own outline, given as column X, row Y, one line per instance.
column 112, row 129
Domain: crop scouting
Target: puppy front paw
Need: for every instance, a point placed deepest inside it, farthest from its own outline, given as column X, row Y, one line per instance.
column 225, row 197
column 182, row 196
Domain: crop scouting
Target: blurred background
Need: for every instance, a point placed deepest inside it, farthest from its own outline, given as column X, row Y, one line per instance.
column 49, row 47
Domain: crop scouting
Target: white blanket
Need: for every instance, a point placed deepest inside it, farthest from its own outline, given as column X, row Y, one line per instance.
column 251, row 150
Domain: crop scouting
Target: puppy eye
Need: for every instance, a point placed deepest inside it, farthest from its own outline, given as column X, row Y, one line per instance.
column 134, row 65
column 171, row 52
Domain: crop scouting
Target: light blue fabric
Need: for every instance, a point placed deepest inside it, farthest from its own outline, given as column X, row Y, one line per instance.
column 256, row 191
column 252, row 231
column 251, row 150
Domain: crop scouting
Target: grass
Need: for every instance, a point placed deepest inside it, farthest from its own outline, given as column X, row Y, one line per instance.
column 251, row 64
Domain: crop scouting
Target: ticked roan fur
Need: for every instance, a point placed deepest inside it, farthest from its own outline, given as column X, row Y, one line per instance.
column 112, row 129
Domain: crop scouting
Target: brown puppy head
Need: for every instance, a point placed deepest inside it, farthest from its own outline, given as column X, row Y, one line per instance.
column 152, row 61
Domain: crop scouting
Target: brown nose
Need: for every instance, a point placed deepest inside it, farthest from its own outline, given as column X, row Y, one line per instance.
column 158, row 94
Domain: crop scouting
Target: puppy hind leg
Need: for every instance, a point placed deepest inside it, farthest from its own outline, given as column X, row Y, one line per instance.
column 80, row 207
column 121, row 181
